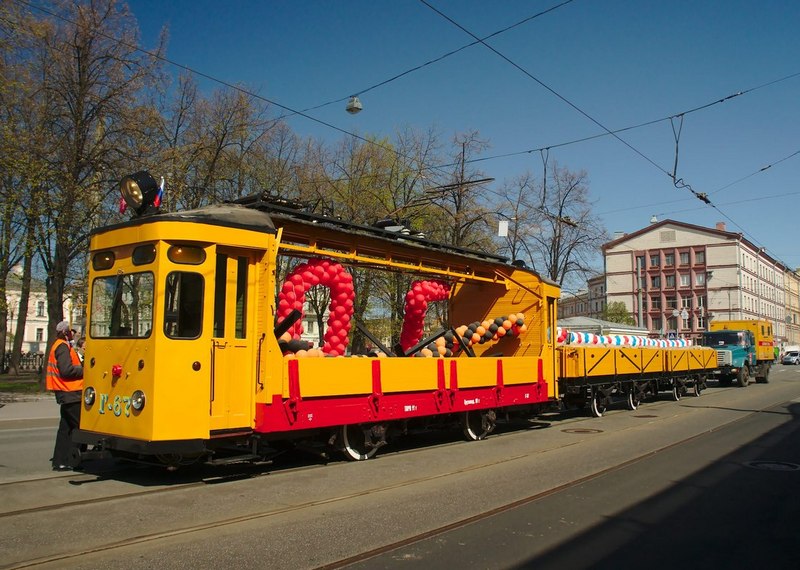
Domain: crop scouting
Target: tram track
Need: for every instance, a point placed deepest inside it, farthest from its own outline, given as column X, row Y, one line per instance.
column 14, row 488
column 376, row 490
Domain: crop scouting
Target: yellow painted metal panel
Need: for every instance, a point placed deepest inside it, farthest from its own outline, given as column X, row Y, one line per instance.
column 571, row 362
column 476, row 372
column 520, row 370
column 676, row 360
column 702, row 358
column 628, row 360
column 599, row 361
column 319, row 377
column 652, row 360
column 177, row 400
column 410, row 374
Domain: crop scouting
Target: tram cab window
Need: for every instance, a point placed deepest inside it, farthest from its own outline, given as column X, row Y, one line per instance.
column 144, row 254
column 122, row 306
column 183, row 305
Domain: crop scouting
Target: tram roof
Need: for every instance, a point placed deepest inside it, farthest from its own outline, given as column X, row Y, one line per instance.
column 325, row 233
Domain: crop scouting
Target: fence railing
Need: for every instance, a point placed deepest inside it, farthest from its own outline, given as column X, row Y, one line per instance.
column 27, row 363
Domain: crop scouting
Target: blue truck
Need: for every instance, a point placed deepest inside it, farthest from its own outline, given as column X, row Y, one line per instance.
column 739, row 351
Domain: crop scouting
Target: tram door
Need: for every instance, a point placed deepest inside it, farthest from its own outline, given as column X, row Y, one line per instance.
column 232, row 355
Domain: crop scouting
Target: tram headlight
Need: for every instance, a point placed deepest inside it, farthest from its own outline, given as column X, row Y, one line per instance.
column 88, row 396
column 137, row 400
column 139, row 191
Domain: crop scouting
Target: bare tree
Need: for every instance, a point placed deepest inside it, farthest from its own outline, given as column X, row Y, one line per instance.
column 462, row 217
column 556, row 228
column 87, row 73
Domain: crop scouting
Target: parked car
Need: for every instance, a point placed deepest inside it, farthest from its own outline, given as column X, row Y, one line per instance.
column 791, row 357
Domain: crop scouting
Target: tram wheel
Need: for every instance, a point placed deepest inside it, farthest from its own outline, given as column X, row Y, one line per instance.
column 634, row 398
column 478, row 424
column 356, row 443
column 598, row 404
column 677, row 390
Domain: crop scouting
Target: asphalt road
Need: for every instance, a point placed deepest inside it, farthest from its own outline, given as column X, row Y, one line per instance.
column 671, row 484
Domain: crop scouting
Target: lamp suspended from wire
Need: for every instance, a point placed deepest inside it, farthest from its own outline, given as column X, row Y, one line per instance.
column 354, row 105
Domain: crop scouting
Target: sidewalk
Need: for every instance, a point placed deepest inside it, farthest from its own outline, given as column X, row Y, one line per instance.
column 29, row 407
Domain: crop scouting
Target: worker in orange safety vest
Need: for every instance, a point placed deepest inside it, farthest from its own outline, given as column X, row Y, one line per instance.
column 65, row 378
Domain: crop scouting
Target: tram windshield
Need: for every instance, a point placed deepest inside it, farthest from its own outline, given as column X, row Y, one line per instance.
column 122, row 306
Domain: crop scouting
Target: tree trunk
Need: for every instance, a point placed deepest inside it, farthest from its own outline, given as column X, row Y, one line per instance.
column 22, row 315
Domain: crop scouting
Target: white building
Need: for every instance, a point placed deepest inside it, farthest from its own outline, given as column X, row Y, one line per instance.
column 674, row 277
column 35, row 338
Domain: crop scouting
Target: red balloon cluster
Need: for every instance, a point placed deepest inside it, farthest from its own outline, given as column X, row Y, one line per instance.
column 328, row 274
column 417, row 298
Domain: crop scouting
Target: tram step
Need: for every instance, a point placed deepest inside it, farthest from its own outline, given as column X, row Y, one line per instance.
column 244, row 458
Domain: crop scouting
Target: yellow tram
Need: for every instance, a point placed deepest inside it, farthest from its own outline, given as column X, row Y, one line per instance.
column 183, row 358
column 187, row 355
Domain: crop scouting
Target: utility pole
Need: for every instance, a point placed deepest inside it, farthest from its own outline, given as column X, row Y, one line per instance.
column 639, row 290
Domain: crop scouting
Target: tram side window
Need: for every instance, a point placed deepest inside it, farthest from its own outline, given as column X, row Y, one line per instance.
column 183, row 307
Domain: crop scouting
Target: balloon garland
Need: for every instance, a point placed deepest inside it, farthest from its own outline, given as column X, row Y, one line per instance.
column 292, row 296
column 475, row 333
column 565, row 336
column 417, row 299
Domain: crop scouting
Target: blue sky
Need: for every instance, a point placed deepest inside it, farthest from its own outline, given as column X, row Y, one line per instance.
column 622, row 62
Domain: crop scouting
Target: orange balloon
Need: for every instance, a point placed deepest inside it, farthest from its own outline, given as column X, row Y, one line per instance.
column 476, row 338
column 480, row 330
column 501, row 331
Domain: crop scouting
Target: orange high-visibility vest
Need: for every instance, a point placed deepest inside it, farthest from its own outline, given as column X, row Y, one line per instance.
column 54, row 379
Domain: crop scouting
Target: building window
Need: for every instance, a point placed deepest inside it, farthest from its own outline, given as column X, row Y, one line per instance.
column 40, row 309
column 639, row 262
column 700, row 279
column 685, row 323
column 700, row 257
column 701, row 322
column 686, row 303
column 670, row 281
column 671, row 302
column 655, row 282
column 39, row 335
column 655, row 260
column 655, row 302
column 685, row 258
column 669, row 259
column 657, row 324
column 685, row 280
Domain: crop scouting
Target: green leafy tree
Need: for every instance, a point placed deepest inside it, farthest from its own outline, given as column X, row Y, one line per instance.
column 617, row 312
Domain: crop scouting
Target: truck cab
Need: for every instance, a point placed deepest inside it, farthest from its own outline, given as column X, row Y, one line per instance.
column 736, row 355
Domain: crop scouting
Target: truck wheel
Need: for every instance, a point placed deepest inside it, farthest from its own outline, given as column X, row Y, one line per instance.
column 743, row 377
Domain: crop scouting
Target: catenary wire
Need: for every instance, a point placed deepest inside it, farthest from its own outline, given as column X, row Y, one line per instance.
column 677, row 182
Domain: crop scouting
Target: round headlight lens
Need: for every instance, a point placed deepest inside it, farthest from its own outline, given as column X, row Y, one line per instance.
column 137, row 400
column 88, row 396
